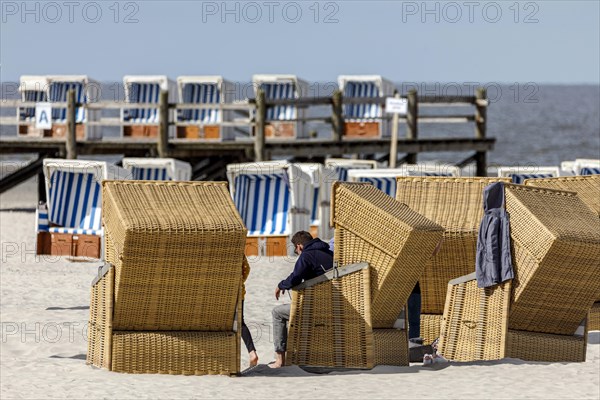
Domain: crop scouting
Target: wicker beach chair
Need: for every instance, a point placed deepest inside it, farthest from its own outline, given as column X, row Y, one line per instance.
column 541, row 314
column 396, row 242
column 456, row 205
column 588, row 190
column 169, row 298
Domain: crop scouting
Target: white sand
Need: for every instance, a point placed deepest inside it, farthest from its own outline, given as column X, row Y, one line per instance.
column 43, row 350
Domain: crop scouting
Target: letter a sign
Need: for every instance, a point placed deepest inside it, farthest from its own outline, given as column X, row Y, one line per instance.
column 43, row 115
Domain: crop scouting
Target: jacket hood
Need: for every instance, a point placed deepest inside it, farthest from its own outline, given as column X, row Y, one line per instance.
column 316, row 244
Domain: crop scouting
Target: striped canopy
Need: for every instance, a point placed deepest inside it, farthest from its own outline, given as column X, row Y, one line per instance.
column 58, row 93
column 206, row 93
column 520, row 178
column 28, row 113
column 142, row 93
column 589, row 171
column 74, row 203
column 362, row 89
column 280, row 90
column 150, row 174
column 263, row 201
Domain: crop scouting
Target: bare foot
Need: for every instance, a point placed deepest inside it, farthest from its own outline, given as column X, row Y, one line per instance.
column 253, row 358
column 279, row 360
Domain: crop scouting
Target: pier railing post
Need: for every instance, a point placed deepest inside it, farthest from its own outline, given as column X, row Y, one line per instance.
column 337, row 117
column 480, row 128
column 259, row 135
column 412, row 115
column 71, row 139
column 394, row 138
column 163, row 130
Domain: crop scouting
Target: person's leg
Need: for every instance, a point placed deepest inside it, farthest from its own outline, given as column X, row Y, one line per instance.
column 247, row 338
column 281, row 315
column 414, row 315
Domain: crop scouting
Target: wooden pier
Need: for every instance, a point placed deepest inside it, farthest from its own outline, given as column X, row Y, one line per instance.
column 210, row 157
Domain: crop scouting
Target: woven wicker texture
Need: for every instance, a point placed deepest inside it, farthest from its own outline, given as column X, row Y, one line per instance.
column 475, row 322
column 391, row 347
column 587, row 187
column 594, row 317
column 456, row 205
column 430, row 327
column 182, row 353
column 556, row 253
column 531, row 346
column 100, row 325
column 177, row 247
column 396, row 242
column 330, row 324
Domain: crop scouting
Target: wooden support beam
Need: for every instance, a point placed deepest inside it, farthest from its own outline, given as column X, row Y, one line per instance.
column 259, row 133
column 163, row 130
column 71, row 139
column 337, row 116
column 480, row 128
column 412, row 129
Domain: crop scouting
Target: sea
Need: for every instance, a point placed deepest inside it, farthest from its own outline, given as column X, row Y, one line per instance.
column 533, row 124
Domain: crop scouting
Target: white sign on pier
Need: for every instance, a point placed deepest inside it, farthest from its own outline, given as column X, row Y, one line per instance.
column 43, row 115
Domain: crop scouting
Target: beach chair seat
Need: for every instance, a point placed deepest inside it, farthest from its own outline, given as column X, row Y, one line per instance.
column 588, row 189
column 169, row 298
column 371, row 227
column 540, row 315
column 455, row 203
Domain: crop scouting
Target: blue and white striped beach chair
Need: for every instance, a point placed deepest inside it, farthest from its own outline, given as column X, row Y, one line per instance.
column 74, row 199
column 520, row 173
column 204, row 90
column 273, row 199
column 145, row 89
column 279, row 87
column 321, row 179
column 341, row 166
column 584, row 166
column 365, row 86
column 158, row 169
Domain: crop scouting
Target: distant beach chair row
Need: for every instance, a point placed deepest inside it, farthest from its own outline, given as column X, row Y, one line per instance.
column 283, row 121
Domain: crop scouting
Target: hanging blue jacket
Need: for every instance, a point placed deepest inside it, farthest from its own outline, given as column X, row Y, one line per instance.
column 316, row 258
column 493, row 260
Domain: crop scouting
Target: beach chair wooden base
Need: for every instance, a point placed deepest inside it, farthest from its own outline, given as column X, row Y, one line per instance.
column 330, row 320
column 140, row 131
column 57, row 131
column 475, row 327
column 267, row 246
column 430, row 327
column 594, row 317
column 280, row 130
column 362, row 130
column 65, row 244
column 211, row 132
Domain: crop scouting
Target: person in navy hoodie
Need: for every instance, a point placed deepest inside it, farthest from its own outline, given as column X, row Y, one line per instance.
column 314, row 259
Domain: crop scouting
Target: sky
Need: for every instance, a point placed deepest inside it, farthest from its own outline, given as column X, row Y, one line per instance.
column 405, row 41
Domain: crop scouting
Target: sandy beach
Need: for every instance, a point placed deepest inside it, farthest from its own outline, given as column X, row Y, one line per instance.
column 44, row 312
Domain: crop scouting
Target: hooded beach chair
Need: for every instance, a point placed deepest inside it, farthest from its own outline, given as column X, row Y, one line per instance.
column 540, row 315
column 158, row 169
column 341, row 166
column 395, row 242
column 54, row 89
column 321, row 179
column 169, row 298
column 519, row 174
column 456, row 205
column 365, row 120
column 144, row 121
column 204, row 123
column 384, row 179
column 583, row 166
column 283, row 121
column 274, row 201
column 588, row 190
column 70, row 222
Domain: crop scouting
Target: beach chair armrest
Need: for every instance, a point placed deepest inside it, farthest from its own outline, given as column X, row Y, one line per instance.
column 333, row 273
column 102, row 270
